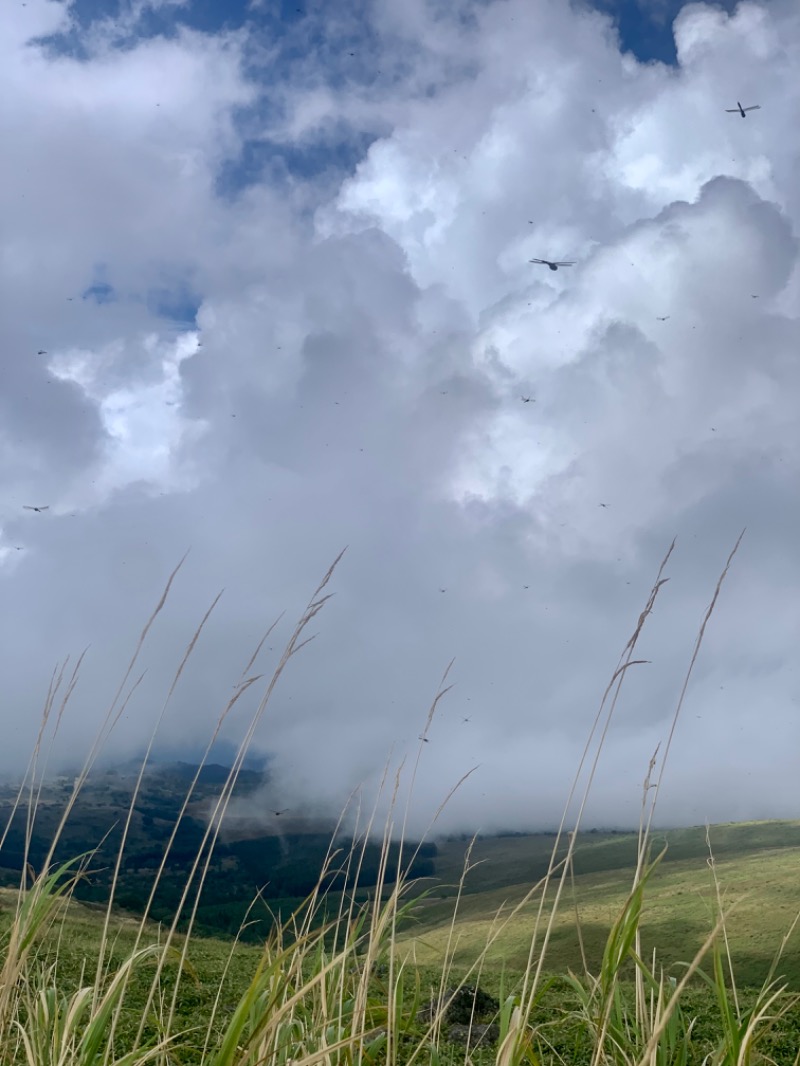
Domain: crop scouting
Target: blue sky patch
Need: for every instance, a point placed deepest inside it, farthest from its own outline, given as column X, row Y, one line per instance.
column 645, row 27
column 262, row 160
column 178, row 304
column 293, row 31
column 100, row 292
column 206, row 16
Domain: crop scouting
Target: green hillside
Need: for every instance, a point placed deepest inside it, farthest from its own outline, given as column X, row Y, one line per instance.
column 332, row 972
column 67, row 954
column 250, row 859
column 757, row 863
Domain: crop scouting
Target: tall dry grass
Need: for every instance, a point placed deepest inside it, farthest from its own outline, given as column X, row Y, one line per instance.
column 331, row 985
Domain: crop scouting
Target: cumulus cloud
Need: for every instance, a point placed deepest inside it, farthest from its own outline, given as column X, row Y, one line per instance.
column 339, row 357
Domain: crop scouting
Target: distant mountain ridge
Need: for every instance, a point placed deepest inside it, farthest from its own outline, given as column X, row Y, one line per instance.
column 280, row 858
column 209, row 774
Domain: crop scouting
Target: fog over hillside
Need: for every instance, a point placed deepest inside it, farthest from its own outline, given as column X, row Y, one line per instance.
column 267, row 293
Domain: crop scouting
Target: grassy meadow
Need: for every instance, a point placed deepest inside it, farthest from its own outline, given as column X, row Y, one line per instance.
column 574, row 947
column 757, row 864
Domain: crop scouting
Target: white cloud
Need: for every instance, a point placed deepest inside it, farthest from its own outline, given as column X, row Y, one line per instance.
column 359, row 381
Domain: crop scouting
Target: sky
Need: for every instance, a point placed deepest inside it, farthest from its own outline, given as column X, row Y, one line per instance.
column 267, row 294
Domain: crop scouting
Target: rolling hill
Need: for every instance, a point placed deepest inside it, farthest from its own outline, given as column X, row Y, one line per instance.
column 757, row 864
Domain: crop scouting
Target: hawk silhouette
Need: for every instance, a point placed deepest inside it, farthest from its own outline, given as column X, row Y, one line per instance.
column 554, row 264
column 739, row 110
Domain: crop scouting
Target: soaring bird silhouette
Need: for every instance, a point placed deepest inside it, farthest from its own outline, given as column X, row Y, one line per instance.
column 27, row 507
column 279, row 813
column 526, row 399
column 554, row 265
column 664, row 319
column 739, row 110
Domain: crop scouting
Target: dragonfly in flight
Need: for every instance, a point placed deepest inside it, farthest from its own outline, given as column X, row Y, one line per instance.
column 742, row 110
column 554, row 265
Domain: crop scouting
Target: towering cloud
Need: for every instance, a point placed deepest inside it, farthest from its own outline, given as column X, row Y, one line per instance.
column 284, row 303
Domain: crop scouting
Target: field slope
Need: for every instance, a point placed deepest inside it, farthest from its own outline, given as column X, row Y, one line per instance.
column 757, row 863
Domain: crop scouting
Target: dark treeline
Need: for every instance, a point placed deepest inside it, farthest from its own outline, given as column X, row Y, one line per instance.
column 283, row 870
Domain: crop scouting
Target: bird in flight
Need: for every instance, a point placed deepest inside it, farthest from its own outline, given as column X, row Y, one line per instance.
column 41, row 352
column 602, row 505
column 664, row 319
column 27, row 507
column 554, row 265
column 526, row 399
column 279, row 813
column 742, row 110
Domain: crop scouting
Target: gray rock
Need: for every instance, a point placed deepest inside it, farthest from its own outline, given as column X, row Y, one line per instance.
column 470, row 1036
